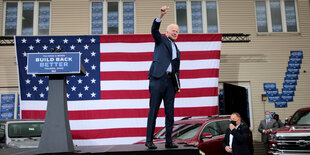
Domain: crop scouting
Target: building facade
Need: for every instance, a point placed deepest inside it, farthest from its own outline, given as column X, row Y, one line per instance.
column 276, row 27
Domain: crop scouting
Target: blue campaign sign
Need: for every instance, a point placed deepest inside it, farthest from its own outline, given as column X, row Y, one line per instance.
column 297, row 54
column 288, row 87
column 270, row 86
column 272, row 92
column 53, row 63
column 7, row 106
column 293, row 66
column 274, row 98
column 281, row 104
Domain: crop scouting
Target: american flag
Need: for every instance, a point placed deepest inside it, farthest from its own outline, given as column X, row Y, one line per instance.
column 109, row 105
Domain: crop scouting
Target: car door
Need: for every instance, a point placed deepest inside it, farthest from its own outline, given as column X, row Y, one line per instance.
column 213, row 146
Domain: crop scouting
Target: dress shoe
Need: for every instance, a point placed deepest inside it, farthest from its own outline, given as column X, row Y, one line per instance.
column 171, row 145
column 150, row 145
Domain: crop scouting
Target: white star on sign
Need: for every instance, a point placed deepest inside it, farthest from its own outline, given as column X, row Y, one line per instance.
column 24, row 40
column 27, row 81
column 80, row 81
column 38, row 40
column 28, row 95
column 86, row 88
column 65, row 41
column 93, row 67
column 92, row 40
column 67, row 81
column 93, row 54
column 86, row 60
column 44, row 47
column 35, row 88
column 46, row 88
column 31, row 47
column 40, row 81
column 52, row 41
column 79, row 40
column 73, row 88
column 86, row 47
column 87, row 74
column 93, row 80
column 42, row 95
column 80, row 95
column 24, row 54
column 33, row 75
column 26, row 68
column 68, row 95
column 93, row 94
column 72, row 47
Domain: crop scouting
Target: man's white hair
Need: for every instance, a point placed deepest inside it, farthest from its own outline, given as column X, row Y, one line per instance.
column 168, row 27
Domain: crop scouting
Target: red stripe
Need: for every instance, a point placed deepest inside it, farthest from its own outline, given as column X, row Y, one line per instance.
column 124, row 113
column 143, row 94
column 142, row 75
column 109, row 133
column 148, row 56
column 141, row 38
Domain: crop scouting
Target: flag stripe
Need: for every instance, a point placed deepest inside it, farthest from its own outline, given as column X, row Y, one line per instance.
column 124, row 113
column 143, row 84
column 140, row 38
column 107, row 141
column 122, row 104
column 148, row 56
column 142, row 75
column 142, row 94
column 145, row 65
column 149, row 46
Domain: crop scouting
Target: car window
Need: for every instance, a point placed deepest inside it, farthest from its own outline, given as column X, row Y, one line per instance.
column 180, row 131
column 2, row 133
column 216, row 128
column 211, row 128
column 223, row 126
column 301, row 117
column 24, row 130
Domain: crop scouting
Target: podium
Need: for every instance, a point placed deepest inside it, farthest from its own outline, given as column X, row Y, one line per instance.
column 56, row 135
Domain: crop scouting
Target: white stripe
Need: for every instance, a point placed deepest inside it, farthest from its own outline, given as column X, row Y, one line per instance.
column 147, row 47
column 115, row 123
column 107, row 141
column 145, row 65
column 144, row 84
column 122, row 104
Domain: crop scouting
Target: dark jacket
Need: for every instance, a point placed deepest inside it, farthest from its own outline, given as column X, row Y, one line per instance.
column 162, row 54
column 240, row 141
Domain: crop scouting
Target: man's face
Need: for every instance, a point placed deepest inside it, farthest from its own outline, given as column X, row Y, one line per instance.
column 173, row 32
column 234, row 117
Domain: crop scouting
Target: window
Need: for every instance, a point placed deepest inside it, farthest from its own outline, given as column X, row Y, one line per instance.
column 197, row 16
column 112, row 17
column 27, row 18
column 276, row 16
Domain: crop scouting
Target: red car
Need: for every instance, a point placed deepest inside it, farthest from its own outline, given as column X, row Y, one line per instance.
column 206, row 133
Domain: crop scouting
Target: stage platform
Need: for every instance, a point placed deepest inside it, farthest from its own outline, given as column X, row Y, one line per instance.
column 137, row 149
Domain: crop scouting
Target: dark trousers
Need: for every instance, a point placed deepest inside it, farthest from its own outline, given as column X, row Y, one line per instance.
column 161, row 89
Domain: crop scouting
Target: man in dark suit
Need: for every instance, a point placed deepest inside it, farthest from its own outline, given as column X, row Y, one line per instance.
column 164, row 79
column 265, row 127
column 236, row 140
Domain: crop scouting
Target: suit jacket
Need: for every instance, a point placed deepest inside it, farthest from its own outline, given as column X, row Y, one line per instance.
column 273, row 125
column 163, row 54
column 240, row 144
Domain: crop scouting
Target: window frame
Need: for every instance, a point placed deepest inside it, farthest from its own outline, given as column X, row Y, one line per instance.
column 105, row 16
column 204, row 15
column 20, row 14
column 283, row 17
